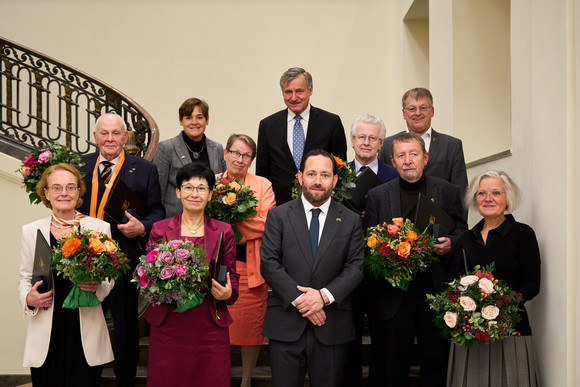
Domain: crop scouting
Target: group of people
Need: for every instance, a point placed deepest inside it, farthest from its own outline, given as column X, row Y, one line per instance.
column 309, row 251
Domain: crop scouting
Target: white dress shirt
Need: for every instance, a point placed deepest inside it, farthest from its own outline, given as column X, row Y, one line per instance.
column 305, row 115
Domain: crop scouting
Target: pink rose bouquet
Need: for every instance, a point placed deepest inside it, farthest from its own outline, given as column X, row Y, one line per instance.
column 397, row 252
column 173, row 272
column 476, row 308
column 41, row 158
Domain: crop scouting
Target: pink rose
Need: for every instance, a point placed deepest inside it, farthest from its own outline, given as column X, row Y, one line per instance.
column 174, row 244
column 141, row 271
column 181, row 255
column 151, row 256
column 166, row 273
column 486, row 285
column 468, row 280
column 44, row 157
column 490, row 312
column 450, row 319
column 95, row 234
column 392, row 229
column 167, row 258
column 110, row 246
column 467, row 303
column 29, row 161
column 25, row 171
column 180, row 270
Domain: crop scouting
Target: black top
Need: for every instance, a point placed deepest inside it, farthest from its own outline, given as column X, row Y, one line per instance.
column 409, row 195
column 199, row 147
column 514, row 249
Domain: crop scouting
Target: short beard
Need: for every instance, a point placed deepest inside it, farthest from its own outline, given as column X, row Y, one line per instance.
column 316, row 202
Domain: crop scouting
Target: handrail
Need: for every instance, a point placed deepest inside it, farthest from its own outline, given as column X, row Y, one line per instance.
column 43, row 100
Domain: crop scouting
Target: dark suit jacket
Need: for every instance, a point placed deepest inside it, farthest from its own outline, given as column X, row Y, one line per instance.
column 286, row 261
column 446, row 159
column 386, row 172
column 274, row 160
column 141, row 176
column 169, row 229
column 384, row 204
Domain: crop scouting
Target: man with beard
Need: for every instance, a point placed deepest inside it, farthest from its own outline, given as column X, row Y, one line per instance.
column 312, row 257
column 396, row 316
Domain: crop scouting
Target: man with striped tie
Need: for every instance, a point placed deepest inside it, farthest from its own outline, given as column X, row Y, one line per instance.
column 284, row 137
column 101, row 169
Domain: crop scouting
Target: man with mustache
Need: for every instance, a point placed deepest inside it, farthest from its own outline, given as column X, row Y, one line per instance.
column 312, row 257
column 446, row 159
column 396, row 316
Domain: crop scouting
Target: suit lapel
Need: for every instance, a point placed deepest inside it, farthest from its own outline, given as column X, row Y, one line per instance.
column 181, row 152
column 394, row 200
column 433, row 149
column 331, row 225
column 282, row 139
column 298, row 223
column 313, row 125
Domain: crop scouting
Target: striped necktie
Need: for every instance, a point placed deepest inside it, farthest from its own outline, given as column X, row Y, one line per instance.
column 106, row 174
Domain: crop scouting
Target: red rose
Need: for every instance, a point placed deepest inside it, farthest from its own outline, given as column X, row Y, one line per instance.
column 482, row 336
column 385, row 249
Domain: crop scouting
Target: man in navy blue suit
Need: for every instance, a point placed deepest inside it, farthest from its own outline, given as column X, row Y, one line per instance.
column 366, row 138
column 101, row 169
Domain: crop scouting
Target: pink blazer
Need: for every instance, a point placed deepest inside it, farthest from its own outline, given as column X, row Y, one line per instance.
column 168, row 229
column 94, row 333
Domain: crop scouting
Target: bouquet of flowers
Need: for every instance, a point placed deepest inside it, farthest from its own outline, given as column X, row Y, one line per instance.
column 88, row 256
column 476, row 308
column 37, row 162
column 173, row 271
column 232, row 202
column 397, row 251
column 345, row 183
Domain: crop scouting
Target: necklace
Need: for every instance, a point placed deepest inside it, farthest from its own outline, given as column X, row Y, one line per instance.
column 192, row 229
column 196, row 154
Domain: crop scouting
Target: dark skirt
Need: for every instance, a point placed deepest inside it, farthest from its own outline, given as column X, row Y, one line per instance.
column 189, row 349
column 510, row 362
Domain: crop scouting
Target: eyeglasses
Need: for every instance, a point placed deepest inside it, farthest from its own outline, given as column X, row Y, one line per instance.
column 237, row 155
column 483, row 195
column 414, row 109
column 58, row 188
column 372, row 139
column 200, row 189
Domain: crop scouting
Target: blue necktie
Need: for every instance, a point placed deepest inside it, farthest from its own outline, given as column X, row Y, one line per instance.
column 297, row 142
column 314, row 229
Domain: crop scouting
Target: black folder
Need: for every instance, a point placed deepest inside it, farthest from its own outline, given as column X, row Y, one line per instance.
column 219, row 272
column 428, row 214
column 363, row 183
column 121, row 199
column 42, row 260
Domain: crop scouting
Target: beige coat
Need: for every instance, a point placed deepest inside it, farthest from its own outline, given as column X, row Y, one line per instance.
column 94, row 333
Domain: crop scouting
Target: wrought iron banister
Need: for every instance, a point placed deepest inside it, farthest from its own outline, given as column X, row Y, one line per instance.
column 43, row 99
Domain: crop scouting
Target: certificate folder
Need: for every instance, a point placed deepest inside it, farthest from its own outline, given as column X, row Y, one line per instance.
column 430, row 215
column 42, row 259
column 364, row 182
column 121, row 199
column 220, row 269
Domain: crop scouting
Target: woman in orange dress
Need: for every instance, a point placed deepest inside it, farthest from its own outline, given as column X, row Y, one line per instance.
column 249, row 311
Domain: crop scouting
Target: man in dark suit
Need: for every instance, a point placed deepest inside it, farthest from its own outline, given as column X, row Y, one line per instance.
column 309, row 315
column 285, row 136
column 446, row 159
column 398, row 316
column 101, row 169
column 366, row 138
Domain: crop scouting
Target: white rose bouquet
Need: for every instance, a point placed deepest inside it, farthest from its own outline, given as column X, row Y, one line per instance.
column 476, row 308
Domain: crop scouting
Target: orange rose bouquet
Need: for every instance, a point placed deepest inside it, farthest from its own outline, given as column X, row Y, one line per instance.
column 88, row 256
column 345, row 183
column 232, row 202
column 397, row 252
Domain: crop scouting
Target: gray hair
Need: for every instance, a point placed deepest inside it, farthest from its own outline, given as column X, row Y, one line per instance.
column 111, row 114
column 369, row 119
column 512, row 192
column 294, row 72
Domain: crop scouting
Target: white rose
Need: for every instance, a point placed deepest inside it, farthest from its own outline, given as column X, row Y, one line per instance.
column 467, row 303
column 450, row 319
column 486, row 285
column 468, row 280
column 490, row 312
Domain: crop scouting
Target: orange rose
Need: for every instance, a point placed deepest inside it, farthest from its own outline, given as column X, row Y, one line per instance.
column 411, row 236
column 373, row 241
column 229, row 199
column 110, row 246
column 398, row 221
column 404, row 249
column 339, row 161
column 71, row 246
column 392, row 229
column 96, row 245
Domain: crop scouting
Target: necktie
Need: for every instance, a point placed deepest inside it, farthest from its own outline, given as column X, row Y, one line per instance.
column 297, row 142
column 314, row 229
column 106, row 174
column 362, row 169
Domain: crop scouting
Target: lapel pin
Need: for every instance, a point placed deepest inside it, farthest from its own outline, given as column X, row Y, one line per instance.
column 338, row 220
column 132, row 170
column 182, row 157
